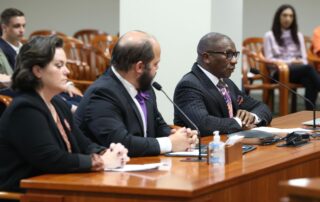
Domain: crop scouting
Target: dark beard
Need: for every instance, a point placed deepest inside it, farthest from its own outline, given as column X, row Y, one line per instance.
column 145, row 79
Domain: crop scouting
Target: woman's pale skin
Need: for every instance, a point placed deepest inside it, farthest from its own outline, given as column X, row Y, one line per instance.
column 54, row 80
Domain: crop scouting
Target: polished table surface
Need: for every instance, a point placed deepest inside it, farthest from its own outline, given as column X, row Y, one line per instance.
column 303, row 189
column 254, row 178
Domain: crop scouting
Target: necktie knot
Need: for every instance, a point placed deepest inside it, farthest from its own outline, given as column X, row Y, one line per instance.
column 142, row 96
column 221, row 84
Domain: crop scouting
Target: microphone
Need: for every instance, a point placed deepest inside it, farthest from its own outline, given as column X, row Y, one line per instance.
column 256, row 71
column 157, row 86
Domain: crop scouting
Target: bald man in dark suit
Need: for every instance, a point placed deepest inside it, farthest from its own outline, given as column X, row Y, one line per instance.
column 210, row 98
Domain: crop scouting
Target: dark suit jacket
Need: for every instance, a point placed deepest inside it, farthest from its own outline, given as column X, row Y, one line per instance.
column 203, row 103
column 31, row 144
column 9, row 52
column 107, row 114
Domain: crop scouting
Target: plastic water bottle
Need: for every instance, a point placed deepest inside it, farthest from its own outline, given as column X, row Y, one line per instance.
column 216, row 153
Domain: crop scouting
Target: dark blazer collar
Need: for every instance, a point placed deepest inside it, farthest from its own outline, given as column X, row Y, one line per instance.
column 34, row 100
column 123, row 91
column 212, row 90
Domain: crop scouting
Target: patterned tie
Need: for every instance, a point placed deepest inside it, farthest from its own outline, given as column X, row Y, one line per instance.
column 223, row 88
column 142, row 97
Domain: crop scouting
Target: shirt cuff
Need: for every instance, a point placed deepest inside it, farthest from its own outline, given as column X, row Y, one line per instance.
column 256, row 118
column 165, row 144
column 238, row 121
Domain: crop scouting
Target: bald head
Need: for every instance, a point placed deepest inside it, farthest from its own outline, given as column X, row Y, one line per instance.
column 210, row 41
column 132, row 47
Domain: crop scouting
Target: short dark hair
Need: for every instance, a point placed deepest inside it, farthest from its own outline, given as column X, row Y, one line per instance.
column 276, row 25
column 125, row 55
column 40, row 51
column 7, row 14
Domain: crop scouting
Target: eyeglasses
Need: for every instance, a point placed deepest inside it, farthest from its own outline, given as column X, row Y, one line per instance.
column 229, row 54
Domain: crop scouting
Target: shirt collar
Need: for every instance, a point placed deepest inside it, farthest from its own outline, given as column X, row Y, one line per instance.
column 127, row 85
column 211, row 77
column 15, row 48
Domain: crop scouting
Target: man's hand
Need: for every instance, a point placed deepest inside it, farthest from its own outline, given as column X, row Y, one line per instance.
column 182, row 139
column 246, row 118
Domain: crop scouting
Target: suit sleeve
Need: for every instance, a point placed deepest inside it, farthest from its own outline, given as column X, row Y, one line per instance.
column 190, row 98
column 104, row 116
column 31, row 136
column 254, row 106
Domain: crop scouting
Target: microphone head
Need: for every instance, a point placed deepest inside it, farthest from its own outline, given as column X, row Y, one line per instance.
column 254, row 70
column 156, row 85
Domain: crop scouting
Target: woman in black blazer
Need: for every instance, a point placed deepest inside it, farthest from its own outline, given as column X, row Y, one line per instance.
column 37, row 134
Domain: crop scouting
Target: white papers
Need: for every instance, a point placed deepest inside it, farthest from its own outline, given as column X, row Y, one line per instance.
column 234, row 139
column 195, row 152
column 310, row 123
column 136, row 167
column 279, row 130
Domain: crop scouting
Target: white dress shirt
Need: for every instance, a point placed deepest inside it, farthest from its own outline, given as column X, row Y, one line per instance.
column 164, row 142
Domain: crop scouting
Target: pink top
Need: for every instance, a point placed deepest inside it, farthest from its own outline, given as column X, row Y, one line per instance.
column 286, row 53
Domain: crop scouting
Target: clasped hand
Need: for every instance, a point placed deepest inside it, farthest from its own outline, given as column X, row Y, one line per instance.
column 183, row 139
column 115, row 156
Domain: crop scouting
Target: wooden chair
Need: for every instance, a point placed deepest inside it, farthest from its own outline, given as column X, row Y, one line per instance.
column 11, row 195
column 254, row 51
column 86, row 35
column 71, row 40
column 45, row 32
column 255, row 81
column 4, row 102
column 95, row 58
column 251, row 48
column 105, row 43
column 81, row 74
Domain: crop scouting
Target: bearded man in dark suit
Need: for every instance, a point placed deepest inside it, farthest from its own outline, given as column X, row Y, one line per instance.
column 121, row 105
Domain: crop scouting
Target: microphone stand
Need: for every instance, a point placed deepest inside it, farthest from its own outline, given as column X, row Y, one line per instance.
column 199, row 159
column 314, row 126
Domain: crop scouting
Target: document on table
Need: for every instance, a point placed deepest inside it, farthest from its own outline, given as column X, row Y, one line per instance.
column 136, row 167
column 310, row 122
column 279, row 130
column 188, row 153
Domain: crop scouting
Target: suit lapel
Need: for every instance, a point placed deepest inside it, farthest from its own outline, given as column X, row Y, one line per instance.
column 212, row 90
column 128, row 98
column 150, row 117
column 55, row 131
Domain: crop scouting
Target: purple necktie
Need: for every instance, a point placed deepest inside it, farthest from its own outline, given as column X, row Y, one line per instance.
column 223, row 88
column 142, row 97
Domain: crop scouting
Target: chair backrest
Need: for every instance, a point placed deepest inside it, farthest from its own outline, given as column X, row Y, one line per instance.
column 95, row 58
column 252, row 48
column 46, row 32
column 86, row 35
column 105, row 43
column 4, row 102
column 81, row 74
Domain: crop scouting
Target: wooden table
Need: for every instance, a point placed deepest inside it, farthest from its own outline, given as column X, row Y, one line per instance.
column 255, row 178
column 302, row 190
